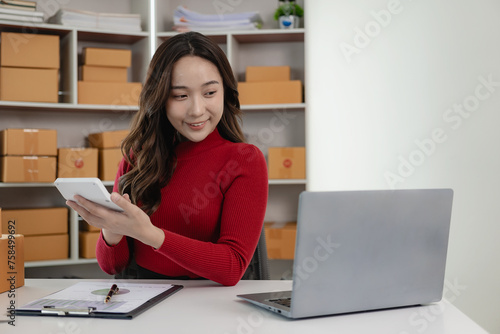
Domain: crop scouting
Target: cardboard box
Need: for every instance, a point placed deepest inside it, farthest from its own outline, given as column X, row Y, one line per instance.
column 270, row 92
column 86, row 243
column 109, row 160
column 107, row 139
column 11, row 261
column 29, row 50
column 287, row 162
column 114, row 93
column 280, row 240
column 29, row 84
column 77, row 162
column 107, row 57
column 46, row 247
column 104, row 73
column 28, row 142
column 267, row 73
column 27, row 169
column 36, row 221
column 84, row 226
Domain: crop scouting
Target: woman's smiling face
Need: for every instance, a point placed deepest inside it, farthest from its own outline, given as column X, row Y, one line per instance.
column 196, row 100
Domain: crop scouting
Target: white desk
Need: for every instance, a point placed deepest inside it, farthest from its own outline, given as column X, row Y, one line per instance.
column 206, row 307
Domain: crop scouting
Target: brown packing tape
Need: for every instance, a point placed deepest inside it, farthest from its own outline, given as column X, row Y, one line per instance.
column 30, row 168
column 31, row 141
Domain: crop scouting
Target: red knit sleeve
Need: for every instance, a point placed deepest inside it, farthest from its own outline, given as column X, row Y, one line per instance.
column 113, row 259
column 242, row 217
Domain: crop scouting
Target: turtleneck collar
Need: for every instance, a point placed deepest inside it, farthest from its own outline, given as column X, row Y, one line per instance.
column 188, row 149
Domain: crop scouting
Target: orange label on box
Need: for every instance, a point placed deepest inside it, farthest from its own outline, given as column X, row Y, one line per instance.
column 79, row 163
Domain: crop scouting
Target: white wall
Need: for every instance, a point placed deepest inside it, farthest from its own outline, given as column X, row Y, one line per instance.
column 406, row 94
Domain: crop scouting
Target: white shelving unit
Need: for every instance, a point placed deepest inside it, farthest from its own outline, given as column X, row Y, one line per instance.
column 73, row 121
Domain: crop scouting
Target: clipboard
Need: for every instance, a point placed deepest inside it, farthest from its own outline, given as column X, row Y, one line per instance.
column 86, row 299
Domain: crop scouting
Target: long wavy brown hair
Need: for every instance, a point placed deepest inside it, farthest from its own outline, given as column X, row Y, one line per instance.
column 150, row 147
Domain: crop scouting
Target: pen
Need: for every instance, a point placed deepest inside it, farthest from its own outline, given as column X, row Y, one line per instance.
column 114, row 289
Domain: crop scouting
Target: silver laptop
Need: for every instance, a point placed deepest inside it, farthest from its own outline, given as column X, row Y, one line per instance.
column 365, row 250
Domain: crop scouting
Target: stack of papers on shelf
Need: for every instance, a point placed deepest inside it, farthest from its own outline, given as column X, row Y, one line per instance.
column 187, row 20
column 20, row 11
column 106, row 21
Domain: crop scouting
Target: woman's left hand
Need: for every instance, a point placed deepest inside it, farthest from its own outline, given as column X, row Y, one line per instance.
column 132, row 222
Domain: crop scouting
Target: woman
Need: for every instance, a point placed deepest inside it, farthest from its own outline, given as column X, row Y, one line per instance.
column 194, row 194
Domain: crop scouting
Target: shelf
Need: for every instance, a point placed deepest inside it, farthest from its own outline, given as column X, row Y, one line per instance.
column 250, row 36
column 40, row 184
column 287, row 181
column 89, row 34
column 97, row 35
column 269, row 36
column 29, row 28
column 97, row 108
column 40, row 106
column 33, row 264
column 111, row 183
column 219, row 38
column 250, row 107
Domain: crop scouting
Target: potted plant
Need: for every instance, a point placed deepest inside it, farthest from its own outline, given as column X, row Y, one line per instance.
column 288, row 14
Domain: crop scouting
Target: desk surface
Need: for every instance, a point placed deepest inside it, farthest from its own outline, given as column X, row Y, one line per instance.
column 207, row 307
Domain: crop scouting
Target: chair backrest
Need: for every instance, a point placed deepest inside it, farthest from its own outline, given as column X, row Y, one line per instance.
column 131, row 270
column 258, row 269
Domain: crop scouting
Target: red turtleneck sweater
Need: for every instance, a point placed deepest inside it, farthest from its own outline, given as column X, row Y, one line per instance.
column 211, row 212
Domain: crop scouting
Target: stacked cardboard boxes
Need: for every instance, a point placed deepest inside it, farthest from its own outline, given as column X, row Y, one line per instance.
column 286, row 162
column 269, row 85
column 108, row 143
column 29, row 67
column 45, row 232
column 104, row 78
column 28, row 155
column 87, row 240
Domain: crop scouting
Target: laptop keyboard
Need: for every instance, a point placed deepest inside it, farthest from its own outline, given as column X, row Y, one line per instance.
column 282, row 301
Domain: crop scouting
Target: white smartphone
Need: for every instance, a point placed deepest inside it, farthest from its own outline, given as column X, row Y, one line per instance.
column 90, row 188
